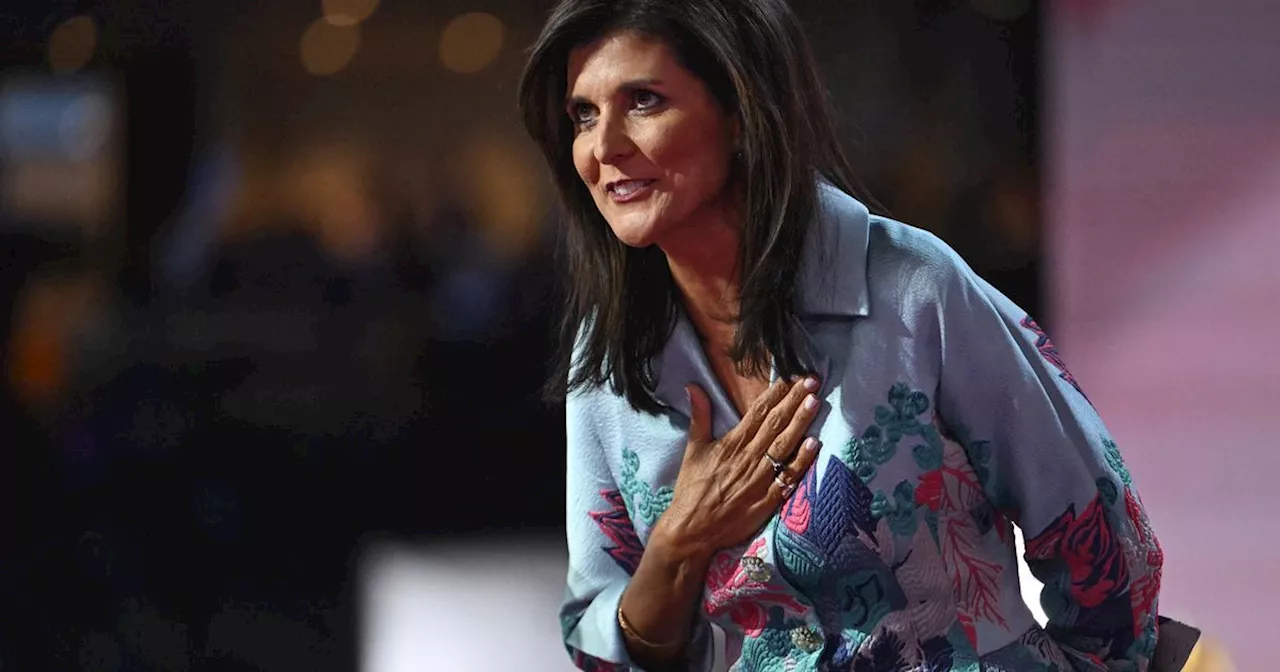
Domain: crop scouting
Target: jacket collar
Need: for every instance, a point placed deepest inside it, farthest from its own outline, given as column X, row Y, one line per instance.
column 832, row 282
column 833, row 270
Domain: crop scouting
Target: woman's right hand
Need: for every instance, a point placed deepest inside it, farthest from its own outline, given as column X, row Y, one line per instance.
column 727, row 488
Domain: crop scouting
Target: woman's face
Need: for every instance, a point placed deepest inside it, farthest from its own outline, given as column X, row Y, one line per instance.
column 651, row 142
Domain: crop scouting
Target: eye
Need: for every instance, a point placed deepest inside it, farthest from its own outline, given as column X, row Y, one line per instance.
column 645, row 100
column 582, row 114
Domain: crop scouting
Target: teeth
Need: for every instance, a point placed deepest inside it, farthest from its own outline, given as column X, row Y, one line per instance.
column 629, row 187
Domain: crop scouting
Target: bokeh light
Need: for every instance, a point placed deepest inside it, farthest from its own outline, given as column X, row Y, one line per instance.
column 72, row 44
column 326, row 49
column 347, row 12
column 502, row 193
column 471, row 42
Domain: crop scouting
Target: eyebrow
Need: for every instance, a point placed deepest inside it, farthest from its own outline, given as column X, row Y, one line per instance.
column 629, row 85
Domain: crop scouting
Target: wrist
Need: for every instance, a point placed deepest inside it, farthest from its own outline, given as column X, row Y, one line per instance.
column 680, row 553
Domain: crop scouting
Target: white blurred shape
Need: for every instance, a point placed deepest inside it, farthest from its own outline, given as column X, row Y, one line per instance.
column 484, row 606
column 1031, row 586
column 477, row 607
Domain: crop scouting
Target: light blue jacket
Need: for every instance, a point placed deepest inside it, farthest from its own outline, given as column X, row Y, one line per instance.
column 949, row 417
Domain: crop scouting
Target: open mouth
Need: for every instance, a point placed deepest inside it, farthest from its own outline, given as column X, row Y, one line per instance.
column 628, row 190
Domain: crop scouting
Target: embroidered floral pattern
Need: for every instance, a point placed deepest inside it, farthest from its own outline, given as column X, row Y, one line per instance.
column 903, row 579
column 1088, row 546
column 733, row 590
column 1116, row 462
column 879, row 441
column 1094, row 569
column 642, row 500
column 952, row 493
column 894, row 552
column 1146, row 587
column 833, row 553
column 900, row 512
column 615, row 523
column 1050, row 353
column 1032, row 652
column 774, row 651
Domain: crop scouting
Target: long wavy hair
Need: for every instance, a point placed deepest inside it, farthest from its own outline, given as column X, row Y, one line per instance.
column 621, row 303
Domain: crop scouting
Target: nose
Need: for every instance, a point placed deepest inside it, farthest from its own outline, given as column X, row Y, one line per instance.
column 613, row 143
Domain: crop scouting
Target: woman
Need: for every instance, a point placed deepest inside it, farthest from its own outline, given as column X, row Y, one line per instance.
column 811, row 426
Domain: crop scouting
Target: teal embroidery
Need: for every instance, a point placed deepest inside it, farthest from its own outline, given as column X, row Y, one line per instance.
column 1144, row 645
column 767, row 652
column 773, row 650
column 1117, row 464
column 879, row 441
column 980, row 453
column 864, row 600
column 880, row 505
column 929, row 454
column 901, row 417
column 901, row 512
column 857, row 454
column 803, row 563
column 931, row 519
column 964, row 658
column 642, row 501
column 1110, row 494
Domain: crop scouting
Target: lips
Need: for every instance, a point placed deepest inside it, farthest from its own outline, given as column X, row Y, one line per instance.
column 622, row 191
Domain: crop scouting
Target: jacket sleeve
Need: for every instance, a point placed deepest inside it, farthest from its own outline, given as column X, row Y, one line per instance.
column 604, row 551
column 1046, row 461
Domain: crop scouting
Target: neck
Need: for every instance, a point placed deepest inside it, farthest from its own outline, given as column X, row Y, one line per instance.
column 704, row 266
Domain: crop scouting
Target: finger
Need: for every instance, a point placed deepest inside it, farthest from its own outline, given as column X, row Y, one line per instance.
column 779, row 418
column 784, row 484
column 785, row 443
column 699, row 414
column 758, row 411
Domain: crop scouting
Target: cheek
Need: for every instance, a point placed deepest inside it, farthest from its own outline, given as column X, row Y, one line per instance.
column 584, row 162
column 694, row 151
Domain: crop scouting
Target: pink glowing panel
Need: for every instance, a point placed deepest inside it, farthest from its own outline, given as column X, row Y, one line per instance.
column 1162, row 204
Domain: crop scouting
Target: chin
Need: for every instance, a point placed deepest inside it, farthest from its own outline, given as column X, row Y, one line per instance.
column 634, row 233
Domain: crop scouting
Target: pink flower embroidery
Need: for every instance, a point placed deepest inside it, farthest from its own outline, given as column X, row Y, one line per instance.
column 731, row 591
column 796, row 515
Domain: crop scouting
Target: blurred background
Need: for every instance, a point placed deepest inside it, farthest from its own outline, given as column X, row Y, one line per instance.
column 275, row 274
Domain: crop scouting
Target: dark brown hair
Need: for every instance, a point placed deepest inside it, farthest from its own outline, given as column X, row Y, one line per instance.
column 621, row 303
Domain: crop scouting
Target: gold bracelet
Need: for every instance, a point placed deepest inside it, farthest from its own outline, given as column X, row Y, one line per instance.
column 630, row 632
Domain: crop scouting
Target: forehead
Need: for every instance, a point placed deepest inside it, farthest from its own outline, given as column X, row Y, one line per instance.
column 617, row 58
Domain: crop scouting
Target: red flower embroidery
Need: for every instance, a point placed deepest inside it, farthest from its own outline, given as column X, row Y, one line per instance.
column 1050, row 353
column 1090, row 550
column 1146, row 588
column 954, row 492
column 929, row 491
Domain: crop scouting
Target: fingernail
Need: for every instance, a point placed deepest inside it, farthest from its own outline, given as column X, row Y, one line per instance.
column 811, row 444
column 810, row 403
column 811, row 384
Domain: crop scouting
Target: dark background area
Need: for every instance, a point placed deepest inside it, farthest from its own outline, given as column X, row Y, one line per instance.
column 215, row 403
